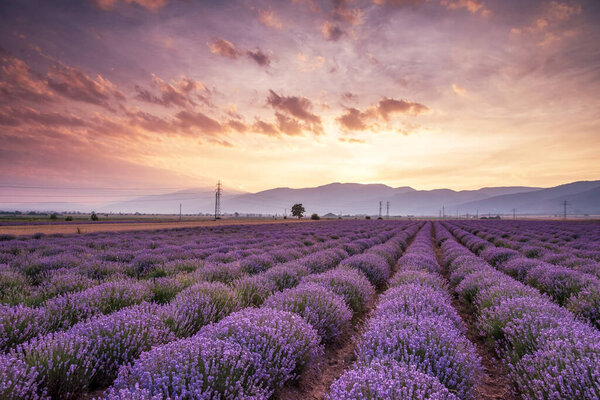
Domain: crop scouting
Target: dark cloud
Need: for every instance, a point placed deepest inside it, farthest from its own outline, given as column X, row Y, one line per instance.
column 356, row 120
column 22, row 116
column 331, row 31
column 266, row 128
column 181, row 93
column 298, row 107
column 353, row 120
column 287, row 125
column 76, row 85
column 388, row 106
column 152, row 5
column 195, row 120
column 259, row 57
column 18, row 82
column 227, row 49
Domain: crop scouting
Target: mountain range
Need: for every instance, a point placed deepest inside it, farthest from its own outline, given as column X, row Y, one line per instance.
column 582, row 197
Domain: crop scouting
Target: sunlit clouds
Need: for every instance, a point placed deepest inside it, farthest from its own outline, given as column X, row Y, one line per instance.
column 259, row 94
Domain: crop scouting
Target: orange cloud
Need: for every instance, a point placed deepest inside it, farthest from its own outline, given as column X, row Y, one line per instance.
column 152, row 5
column 473, row 6
column 355, row 120
column 552, row 24
column 331, row 31
column 298, row 107
column 182, row 93
column 270, row 19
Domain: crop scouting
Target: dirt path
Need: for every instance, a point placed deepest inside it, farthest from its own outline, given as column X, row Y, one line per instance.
column 494, row 384
column 89, row 227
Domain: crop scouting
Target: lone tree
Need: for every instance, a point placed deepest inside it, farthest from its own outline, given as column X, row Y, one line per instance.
column 298, row 210
column 94, row 216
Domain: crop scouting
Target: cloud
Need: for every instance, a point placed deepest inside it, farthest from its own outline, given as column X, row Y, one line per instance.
column 288, row 125
column 354, row 119
column 224, row 48
column 308, row 63
column 298, row 107
column 473, row 6
column 459, row 90
column 152, row 5
column 388, row 106
column 352, row 140
column 25, row 115
column 331, row 32
column 227, row 49
column 259, row 57
column 400, row 2
column 266, row 128
column 552, row 25
column 180, row 93
column 342, row 12
column 270, row 19
column 197, row 121
column 19, row 82
column 76, row 85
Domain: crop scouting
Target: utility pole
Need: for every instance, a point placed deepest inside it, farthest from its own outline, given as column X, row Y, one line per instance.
column 179, row 212
column 564, row 203
column 218, row 192
column 477, row 214
column 514, row 213
column 443, row 211
column 379, row 208
column 387, row 211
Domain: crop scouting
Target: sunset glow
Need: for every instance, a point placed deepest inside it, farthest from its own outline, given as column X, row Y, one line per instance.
column 427, row 93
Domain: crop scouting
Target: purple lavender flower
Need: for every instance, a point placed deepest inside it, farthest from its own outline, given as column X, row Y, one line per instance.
column 324, row 310
column 388, row 380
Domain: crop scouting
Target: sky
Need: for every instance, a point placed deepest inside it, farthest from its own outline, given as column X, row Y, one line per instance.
column 171, row 94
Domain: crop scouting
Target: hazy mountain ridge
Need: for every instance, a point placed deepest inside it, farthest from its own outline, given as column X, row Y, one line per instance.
column 352, row 198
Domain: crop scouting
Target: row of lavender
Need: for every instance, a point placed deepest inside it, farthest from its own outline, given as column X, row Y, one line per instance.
column 21, row 323
column 33, row 270
column 414, row 345
column 253, row 352
column 576, row 290
column 572, row 244
column 550, row 354
column 88, row 355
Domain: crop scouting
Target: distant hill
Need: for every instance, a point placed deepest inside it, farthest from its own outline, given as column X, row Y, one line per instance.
column 582, row 197
column 353, row 198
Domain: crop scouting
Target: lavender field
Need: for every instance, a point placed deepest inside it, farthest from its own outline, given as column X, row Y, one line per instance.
column 352, row 309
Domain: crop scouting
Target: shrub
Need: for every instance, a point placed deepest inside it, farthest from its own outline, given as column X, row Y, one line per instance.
column 324, row 310
column 423, row 278
column 253, row 290
column 18, row 380
column 119, row 338
column 349, row 283
column 20, row 323
column 284, row 342
column 288, row 275
column 388, row 380
column 63, row 360
column 431, row 344
column 256, row 263
column 199, row 305
column 208, row 368
column 375, row 268
column 315, row 217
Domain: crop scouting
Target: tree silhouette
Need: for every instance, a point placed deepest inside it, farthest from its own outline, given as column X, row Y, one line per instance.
column 298, row 210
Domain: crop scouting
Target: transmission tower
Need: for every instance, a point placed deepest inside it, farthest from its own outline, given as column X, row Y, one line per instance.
column 379, row 208
column 387, row 210
column 218, row 192
column 565, row 203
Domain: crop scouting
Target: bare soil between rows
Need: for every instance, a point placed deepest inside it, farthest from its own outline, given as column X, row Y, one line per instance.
column 494, row 384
